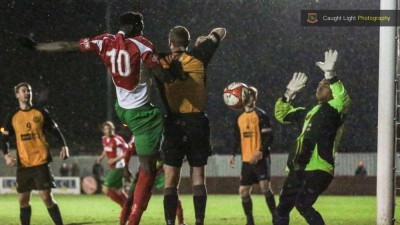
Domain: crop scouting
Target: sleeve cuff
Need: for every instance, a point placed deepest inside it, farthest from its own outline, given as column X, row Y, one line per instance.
column 216, row 35
column 333, row 80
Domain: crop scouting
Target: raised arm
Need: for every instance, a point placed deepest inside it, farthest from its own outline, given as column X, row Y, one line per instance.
column 284, row 111
column 341, row 100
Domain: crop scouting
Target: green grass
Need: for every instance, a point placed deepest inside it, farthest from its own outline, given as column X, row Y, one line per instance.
column 221, row 210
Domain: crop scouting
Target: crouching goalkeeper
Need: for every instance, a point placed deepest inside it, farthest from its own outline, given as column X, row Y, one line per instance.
column 311, row 162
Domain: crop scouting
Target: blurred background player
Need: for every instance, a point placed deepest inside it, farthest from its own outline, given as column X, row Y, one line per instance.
column 311, row 163
column 115, row 149
column 124, row 55
column 28, row 125
column 187, row 130
column 254, row 137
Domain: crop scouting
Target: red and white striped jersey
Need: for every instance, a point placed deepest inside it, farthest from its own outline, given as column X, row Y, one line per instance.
column 115, row 146
column 124, row 58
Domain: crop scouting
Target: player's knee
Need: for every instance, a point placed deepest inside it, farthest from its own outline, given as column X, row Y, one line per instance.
column 105, row 190
column 199, row 190
column 267, row 191
column 48, row 200
column 24, row 202
column 244, row 191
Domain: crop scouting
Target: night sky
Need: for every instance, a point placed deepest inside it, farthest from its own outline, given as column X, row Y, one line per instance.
column 264, row 45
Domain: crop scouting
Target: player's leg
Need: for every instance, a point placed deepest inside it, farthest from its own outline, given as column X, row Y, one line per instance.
column 25, row 210
column 244, row 192
column 146, row 123
column 173, row 153
column 126, row 209
column 143, row 189
column 198, row 130
column 112, row 186
column 315, row 183
column 172, row 177
column 24, row 188
column 52, row 206
column 179, row 213
column 44, row 181
column 263, row 171
column 287, row 198
column 197, row 175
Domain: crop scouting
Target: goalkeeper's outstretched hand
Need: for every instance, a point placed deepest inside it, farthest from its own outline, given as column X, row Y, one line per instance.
column 27, row 42
column 329, row 65
column 295, row 85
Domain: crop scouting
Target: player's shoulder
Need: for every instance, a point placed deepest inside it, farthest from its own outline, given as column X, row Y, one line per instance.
column 143, row 41
column 12, row 113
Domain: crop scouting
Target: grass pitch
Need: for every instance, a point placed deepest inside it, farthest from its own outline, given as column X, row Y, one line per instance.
column 221, row 210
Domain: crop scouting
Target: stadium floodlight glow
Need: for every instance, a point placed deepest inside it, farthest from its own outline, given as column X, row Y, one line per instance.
column 386, row 107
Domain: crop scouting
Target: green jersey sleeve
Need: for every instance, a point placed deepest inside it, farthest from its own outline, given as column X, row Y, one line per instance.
column 285, row 113
column 341, row 100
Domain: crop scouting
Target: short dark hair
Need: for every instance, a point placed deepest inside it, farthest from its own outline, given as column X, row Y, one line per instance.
column 22, row 84
column 132, row 18
column 179, row 36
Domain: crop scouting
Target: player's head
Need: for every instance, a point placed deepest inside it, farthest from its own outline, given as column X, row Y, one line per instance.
column 23, row 92
column 131, row 23
column 108, row 128
column 252, row 96
column 324, row 92
column 179, row 37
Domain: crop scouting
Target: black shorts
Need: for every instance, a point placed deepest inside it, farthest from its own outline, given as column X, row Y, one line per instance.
column 254, row 173
column 35, row 178
column 186, row 135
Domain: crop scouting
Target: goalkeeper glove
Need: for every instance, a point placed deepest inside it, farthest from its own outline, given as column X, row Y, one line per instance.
column 27, row 42
column 295, row 85
column 329, row 65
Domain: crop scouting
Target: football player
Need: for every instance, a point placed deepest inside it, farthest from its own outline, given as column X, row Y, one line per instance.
column 187, row 131
column 311, row 163
column 29, row 125
column 254, row 138
column 114, row 148
column 124, row 55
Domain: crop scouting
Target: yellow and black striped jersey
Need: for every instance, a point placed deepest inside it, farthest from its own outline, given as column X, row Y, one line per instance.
column 188, row 94
column 29, row 128
column 254, row 132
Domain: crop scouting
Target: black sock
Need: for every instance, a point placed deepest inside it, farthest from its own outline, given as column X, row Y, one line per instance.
column 200, row 202
column 248, row 209
column 170, row 205
column 25, row 215
column 55, row 214
column 269, row 198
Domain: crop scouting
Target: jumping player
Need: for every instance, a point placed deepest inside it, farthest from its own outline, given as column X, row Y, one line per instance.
column 29, row 125
column 311, row 163
column 125, row 54
column 187, row 131
column 254, row 131
column 115, row 149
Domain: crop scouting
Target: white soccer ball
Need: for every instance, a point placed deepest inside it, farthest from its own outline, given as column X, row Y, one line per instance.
column 235, row 95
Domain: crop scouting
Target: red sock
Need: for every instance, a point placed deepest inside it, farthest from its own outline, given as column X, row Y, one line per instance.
column 116, row 198
column 141, row 197
column 126, row 210
column 179, row 213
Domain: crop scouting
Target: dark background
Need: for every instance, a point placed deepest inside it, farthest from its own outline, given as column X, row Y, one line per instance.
column 264, row 45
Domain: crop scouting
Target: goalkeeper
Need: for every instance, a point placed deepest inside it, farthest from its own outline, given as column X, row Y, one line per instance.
column 311, row 163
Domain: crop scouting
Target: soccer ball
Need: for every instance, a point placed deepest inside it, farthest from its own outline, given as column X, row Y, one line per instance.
column 235, row 95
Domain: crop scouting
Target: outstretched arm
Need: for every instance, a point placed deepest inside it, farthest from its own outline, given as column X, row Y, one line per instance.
column 56, row 46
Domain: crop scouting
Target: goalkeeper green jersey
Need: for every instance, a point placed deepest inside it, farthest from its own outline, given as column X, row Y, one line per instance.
column 321, row 130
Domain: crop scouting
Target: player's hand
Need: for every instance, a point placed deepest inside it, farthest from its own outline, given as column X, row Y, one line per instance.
column 297, row 83
column 232, row 161
column 176, row 70
column 200, row 40
column 27, row 42
column 64, row 153
column 329, row 65
column 10, row 161
column 257, row 157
